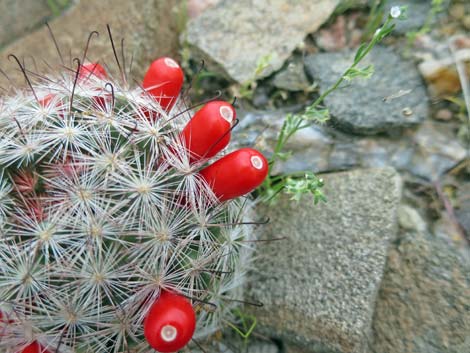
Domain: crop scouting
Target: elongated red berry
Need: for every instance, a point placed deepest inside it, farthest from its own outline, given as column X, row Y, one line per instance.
column 163, row 81
column 208, row 132
column 170, row 323
column 236, row 174
column 34, row 348
column 92, row 69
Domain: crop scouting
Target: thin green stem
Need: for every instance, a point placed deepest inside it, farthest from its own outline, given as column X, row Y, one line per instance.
column 272, row 185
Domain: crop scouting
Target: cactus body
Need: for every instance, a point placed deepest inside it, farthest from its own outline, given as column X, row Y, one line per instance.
column 103, row 208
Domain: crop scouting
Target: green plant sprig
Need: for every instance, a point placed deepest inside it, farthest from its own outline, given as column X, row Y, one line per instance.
column 376, row 15
column 303, row 182
column 247, row 321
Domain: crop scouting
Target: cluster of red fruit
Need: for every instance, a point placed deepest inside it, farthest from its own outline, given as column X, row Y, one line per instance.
column 171, row 321
column 207, row 133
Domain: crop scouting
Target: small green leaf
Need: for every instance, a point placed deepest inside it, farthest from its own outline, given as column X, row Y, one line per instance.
column 353, row 72
column 309, row 184
column 248, row 322
column 316, row 115
column 359, row 52
column 263, row 63
column 383, row 32
column 284, row 156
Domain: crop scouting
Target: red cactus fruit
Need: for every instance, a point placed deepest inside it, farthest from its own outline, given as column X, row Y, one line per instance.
column 163, row 81
column 34, row 348
column 170, row 323
column 46, row 100
column 208, row 132
column 92, row 69
column 236, row 174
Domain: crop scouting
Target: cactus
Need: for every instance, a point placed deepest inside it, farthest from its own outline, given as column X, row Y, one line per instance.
column 118, row 232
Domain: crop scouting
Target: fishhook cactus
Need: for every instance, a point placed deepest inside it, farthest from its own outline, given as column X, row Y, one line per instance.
column 121, row 223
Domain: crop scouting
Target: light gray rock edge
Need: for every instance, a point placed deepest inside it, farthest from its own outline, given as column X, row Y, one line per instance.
column 235, row 35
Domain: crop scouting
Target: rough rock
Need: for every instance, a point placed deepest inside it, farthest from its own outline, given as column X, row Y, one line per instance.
column 18, row 17
column 436, row 150
column 227, row 32
column 427, row 152
column 237, row 344
column 333, row 38
column 293, row 77
column 424, row 301
column 319, row 285
column 444, row 115
column 410, row 219
column 448, row 229
column 263, row 347
column 463, row 207
column 394, row 97
column 438, row 63
column 346, row 31
column 441, row 74
column 289, row 348
column 197, row 7
column 146, row 26
column 417, row 13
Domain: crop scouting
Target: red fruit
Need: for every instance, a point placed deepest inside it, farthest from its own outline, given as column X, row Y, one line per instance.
column 163, row 81
column 92, row 69
column 170, row 323
column 34, row 348
column 46, row 100
column 95, row 70
column 208, row 132
column 236, row 174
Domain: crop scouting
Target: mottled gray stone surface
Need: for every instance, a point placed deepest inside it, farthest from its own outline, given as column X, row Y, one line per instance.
column 18, row 17
column 427, row 151
column 147, row 26
column 463, row 207
column 235, row 35
column 319, row 285
column 292, row 77
column 417, row 13
column 236, row 344
column 263, row 347
column 437, row 149
column 289, row 348
column 424, row 301
column 394, row 97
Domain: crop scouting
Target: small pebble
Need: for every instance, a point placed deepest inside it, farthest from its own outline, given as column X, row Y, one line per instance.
column 443, row 114
column 407, row 111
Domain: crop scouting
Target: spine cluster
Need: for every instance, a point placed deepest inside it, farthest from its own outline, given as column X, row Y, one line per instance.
column 121, row 223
